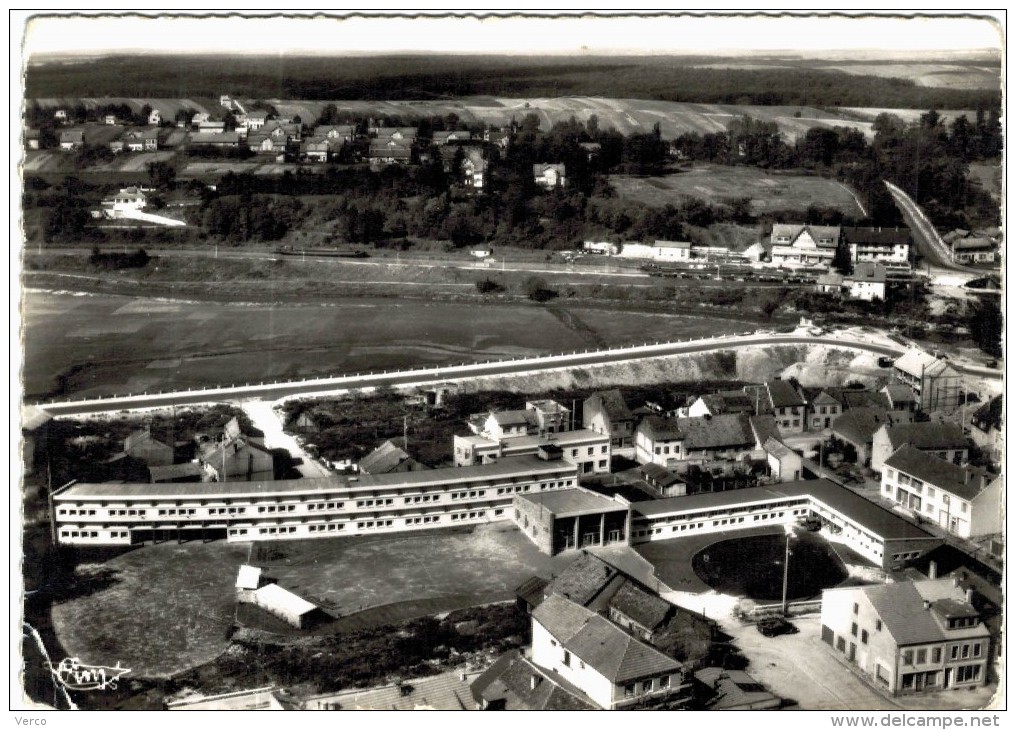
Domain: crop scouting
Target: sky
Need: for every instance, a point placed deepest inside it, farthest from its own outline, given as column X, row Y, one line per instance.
column 616, row 34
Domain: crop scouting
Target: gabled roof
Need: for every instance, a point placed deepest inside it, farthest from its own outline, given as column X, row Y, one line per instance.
column 174, row 471
column 927, row 435
column 764, row 428
column 777, row 448
column 897, row 393
column 139, row 437
column 989, row 414
column 902, row 610
column 613, row 404
column 714, row 432
column 384, row 459
column 817, row 233
column 734, row 688
column 659, row 428
column 278, row 597
column 522, row 685
column 601, row 644
column 877, row 236
column 215, row 138
column 585, row 579
column 916, row 362
column 646, row 609
column 540, row 168
column 859, row 425
column 868, row 272
column 519, row 417
column 824, row 399
column 963, row 482
column 783, row 395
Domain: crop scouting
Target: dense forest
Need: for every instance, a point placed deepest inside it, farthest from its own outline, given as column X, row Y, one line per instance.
column 436, row 77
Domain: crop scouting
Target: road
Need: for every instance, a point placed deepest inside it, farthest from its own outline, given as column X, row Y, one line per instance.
column 929, row 243
column 275, row 391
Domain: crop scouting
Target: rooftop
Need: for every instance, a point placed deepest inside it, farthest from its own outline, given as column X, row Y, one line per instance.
column 645, row 608
column 275, row 595
column 522, row 685
column 877, row 236
column 711, row 432
column 964, row 482
column 613, row 403
column 446, row 691
column 572, row 502
column 917, row 363
column 860, row 424
column 928, row 435
column 508, row 467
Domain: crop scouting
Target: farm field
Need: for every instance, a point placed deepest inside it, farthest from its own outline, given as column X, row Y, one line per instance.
column 167, row 607
column 628, row 116
column 941, row 75
column 105, row 344
column 722, row 184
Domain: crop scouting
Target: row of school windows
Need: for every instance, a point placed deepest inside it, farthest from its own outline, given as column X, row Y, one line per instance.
column 364, row 525
column 728, row 517
column 80, row 534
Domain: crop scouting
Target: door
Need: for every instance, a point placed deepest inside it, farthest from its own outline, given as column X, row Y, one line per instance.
column 852, row 653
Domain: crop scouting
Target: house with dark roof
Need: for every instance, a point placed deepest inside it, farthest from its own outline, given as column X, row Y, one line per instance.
column 612, row 668
column 142, row 445
column 721, row 403
column 899, row 397
column 672, row 442
column 942, row 439
column 795, row 245
column 606, row 412
column 935, row 383
column 910, row 637
column 858, row 427
column 823, row 409
column 987, row 429
column 638, row 610
column 965, row 500
column 72, row 140
column 867, row 282
column 883, row 245
column 733, row 689
column 515, row 683
column 783, row 400
column 389, row 458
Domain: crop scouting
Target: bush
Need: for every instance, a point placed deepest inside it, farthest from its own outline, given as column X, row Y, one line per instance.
column 488, row 286
column 538, row 290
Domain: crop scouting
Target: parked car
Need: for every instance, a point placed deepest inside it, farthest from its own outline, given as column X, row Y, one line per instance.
column 775, row 627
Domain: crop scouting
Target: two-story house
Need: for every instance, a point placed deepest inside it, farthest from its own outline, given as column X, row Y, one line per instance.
column 909, row 638
column 606, row 412
column 944, row 440
column 965, row 500
column 887, row 246
column 781, row 399
column 674, row 442
column 823, row 410
column 795, row 245
column 867, row 283
column 610, row 666
column 935, row 383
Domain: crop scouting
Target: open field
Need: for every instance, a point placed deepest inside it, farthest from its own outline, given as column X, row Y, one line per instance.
column 722, row 184
column 937, row 75
column 104, row 344
column 169, row 606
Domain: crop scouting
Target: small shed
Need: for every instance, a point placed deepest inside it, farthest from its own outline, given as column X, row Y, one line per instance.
column 286, row 605
column 248, row 579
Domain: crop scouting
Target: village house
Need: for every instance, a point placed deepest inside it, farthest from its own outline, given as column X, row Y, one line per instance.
column 343, row 132
column 987, row 427
column 549, row 176
column 911, row 637
column 500, row 138
column 210, row 126
column 720, row 403
column 72, row 140
column 474, row 169
column 126, row 200
column 142, row 445
column 677, row 442
column 944, row 440
column 783, row 400
column 935, row 383
column 887, row 246
column 606, row 412
column 389, row 458
column 823, row 410
column 236, row 457
column 220, row 139
column 858, row 427
column 973, row 247
column 266, row 144
column 795, row 245
column 965, row 500
column 389, row 152
column 899, row 397
column 609, row 666
column 785, row 464
column 404, row 135
column 109, row 119
column 60, row 115
column 451, row 136
column 155, row 117
column 831, row 282
column 33, row 138
column 513, row 682
column 255, row 120
column 867, row 283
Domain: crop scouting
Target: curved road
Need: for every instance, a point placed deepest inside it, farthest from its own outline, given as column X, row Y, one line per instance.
column 275, row 391
column 933, row 248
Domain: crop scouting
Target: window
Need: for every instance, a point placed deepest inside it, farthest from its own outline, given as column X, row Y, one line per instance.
column 664, row 681
column 878, row 624
column 567, row 658
column 965, row 653
column 922, row 656
column 855, row 609
column 647, row 686
column 853, row 629
column 864, row 636
column 936, row 655
column 977, row 650
column 629, row 690
column 908, row 656
column 954, row 652
column 968, row 673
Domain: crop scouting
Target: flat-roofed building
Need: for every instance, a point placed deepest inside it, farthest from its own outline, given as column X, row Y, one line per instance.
column 571, row 518
column 589, row 451
column 121, row 514
column 884, row 538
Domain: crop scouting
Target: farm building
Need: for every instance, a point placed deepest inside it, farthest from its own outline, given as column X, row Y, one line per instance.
column 287, row 606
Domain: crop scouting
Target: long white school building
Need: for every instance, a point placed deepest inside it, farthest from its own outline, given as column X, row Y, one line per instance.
column 122, row 514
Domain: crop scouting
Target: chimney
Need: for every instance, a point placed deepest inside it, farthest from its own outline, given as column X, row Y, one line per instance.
column 462, row 675
column 534, row 681
column 956, row 581
column 970, row 596
column 927, row 604
column 933, row 570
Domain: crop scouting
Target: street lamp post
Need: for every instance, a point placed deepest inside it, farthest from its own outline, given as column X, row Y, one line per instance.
column 786, row 565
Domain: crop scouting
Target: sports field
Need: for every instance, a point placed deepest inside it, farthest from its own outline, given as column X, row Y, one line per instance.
column 718, row 184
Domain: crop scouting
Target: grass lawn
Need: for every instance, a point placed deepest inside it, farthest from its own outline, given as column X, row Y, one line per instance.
column 720, row 184
column 170, row 605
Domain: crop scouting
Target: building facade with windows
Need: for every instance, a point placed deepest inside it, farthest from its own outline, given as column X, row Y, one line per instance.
column 570, row 519
column 964, row 500
column 909, row 638
column 587, row 450
column 122, row 514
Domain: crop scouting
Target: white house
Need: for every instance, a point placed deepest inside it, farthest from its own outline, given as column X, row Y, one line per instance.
column 796, row 245
column 867, row 282
column 549, row 175
column 605, row 248
column 909, row 638
column 887, row 246
column 944, row 440
column 964, row 500
column 155, row 117
column 609, row 665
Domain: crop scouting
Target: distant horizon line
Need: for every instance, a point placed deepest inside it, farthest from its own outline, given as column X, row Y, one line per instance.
column 861, row 53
